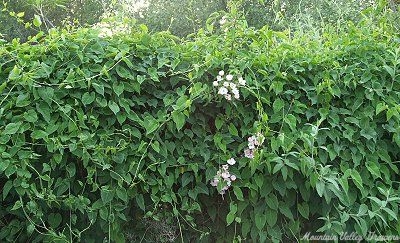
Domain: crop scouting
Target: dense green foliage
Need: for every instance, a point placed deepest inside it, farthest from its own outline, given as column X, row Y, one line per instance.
column 187, row 16
column 182, row 17
column 54, row 13
column 104, row 136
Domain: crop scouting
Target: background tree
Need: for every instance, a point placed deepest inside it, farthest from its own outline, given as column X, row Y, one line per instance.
column 182, row 17
column 52, row 12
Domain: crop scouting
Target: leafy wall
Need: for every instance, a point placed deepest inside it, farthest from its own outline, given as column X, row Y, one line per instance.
column 102, row 137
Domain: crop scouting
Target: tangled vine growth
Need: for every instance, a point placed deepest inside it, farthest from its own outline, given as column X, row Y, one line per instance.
column 100, row 135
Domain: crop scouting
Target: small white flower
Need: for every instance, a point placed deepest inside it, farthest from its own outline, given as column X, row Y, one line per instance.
column 231, row 161
column 226, row 84
column 214, row 182
column 223, row 91
column 228, row 183
column 251, row 146
column 242, row 81
column 219, row 78
column 221, row 73
column 223, row 20
column 228, row 97
column 232, row 85
column 235, row 91
column 237, row 96
column 225, row 175
column 249, row 153
column 229, row 77
column 233, row 177
column 215, row 83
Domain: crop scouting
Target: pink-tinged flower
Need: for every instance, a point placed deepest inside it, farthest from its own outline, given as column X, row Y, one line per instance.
column 221, row 73
column 225, row 175
column 226, row 84
column 233, row 177
column 223, row 91
column 228, row 97
column 215, row 83
column 214, row 182
column 251, row 139
column 225, row 188
column 229, row 77
column 249, row 153
column 231, row 161
column 242, row 81
column 219, row 78
column 225, row 167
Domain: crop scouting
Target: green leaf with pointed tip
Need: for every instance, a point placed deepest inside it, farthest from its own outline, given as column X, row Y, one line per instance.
column 6, row 188
column 88, row 98
column 31, row 116
column 54, row 220
column 118, row 88
column 357, row 179
column 271, row 217
column 113, row 106
column 123, row 72
column 260, row 220
column 179, row 119
column 107, row 195
column 156, row 146
column 232, row 130
column 140, row 202
column 150, row 124
column 232, row 213
column 99, row 88
column 39, row 134
column 12, row 128
column 37, row 22
column 320, row 188
column 238, row 193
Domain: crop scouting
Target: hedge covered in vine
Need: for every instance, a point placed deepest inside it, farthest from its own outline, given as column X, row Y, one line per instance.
column 235, row 134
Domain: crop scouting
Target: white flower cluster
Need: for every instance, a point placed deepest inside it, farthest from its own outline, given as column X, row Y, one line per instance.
column 254, row 143
column 283, row 7
column 223, row 179
column 224, row 24
column 227, row 87
column 222, row 21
